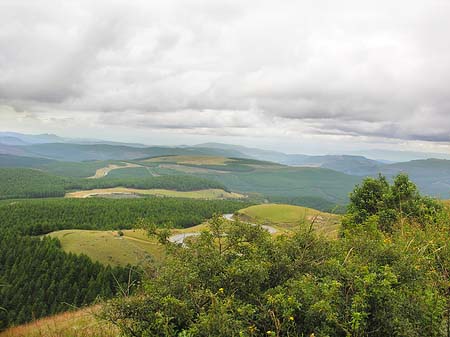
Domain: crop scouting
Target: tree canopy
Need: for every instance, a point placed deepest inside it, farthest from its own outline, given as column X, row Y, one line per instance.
column 237, row 280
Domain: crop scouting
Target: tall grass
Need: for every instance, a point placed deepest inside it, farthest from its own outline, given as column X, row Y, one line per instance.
column 81, row 323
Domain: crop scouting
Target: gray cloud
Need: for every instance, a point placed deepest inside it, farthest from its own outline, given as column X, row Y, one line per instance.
column 360, row 69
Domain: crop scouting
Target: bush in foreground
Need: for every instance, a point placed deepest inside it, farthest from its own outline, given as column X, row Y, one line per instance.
column 236, row 280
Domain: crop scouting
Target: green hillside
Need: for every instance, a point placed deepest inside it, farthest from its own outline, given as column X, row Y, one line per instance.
column 108, row 248
column 291, row 217
column 83, row 152
column 432, row 176
column 62, row 168
column 31, row 183
column 266, row 178
column 27, row 183
column 7, row 160
column 41, row 216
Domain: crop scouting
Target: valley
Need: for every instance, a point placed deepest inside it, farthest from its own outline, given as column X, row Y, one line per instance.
column 112, row 219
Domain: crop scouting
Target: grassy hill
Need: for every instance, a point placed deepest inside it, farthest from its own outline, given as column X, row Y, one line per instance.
column 108, row 247
column 289, row 217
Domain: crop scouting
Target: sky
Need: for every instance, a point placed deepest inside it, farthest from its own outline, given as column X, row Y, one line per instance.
column 320, row 76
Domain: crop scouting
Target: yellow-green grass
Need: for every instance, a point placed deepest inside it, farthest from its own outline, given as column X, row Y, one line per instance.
column 200, row 194
column 81, row 323
column 135, row 247
column 102, row 172
column 289, row 217
column 108, row 247
column 446, row 203
column 192, row 160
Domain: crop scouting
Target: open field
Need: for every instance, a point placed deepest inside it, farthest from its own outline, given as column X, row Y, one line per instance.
column 201, row 194
column 104, row 171
column 288, row 217
column 81, row 323
column 108, row 247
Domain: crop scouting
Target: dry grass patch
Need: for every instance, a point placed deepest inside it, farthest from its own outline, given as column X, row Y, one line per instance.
column 200, row 194
column 81, row 323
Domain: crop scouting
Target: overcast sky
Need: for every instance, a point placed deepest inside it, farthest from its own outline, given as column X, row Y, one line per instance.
column 301, row 76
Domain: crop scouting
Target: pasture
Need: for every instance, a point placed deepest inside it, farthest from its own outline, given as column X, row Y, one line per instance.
column 289, row 217
column 107, row 247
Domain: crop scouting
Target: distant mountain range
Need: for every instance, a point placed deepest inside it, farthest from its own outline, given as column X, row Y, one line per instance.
column 431, row 175
column 354, row 165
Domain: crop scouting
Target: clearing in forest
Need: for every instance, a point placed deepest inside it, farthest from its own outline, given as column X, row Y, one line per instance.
column 108, row 247
column 199, row 194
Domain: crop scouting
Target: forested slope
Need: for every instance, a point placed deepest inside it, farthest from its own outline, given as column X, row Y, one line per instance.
column 38, row 279
column 36, row 217
column 29, row 183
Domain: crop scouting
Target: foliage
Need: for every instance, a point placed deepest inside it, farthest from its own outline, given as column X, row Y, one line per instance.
column 36, row 217
column 40, row 279
column 177, row 183
column 234, row 280
column 290, row 182
column 29, row 183
column 390, row 203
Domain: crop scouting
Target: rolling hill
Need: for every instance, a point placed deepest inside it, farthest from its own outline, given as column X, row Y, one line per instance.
column 289, row 217
column 265, row 178
column 109, row 248
column 83, row 152
column 432, row 176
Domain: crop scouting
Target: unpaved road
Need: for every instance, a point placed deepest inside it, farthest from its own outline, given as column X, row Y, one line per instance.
column 103, row 172
column 179, row 238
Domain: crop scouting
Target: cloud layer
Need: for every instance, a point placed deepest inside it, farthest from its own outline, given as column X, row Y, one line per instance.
column 258, row 68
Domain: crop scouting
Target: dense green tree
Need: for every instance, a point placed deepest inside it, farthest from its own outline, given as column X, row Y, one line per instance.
column 236, row 280
column 39, row 279
column 31, row 183
column 390, row 203
column 36, row 217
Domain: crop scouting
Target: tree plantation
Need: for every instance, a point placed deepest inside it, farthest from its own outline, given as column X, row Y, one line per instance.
column 30, row 183
column 36, row 217
column 39, row 279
